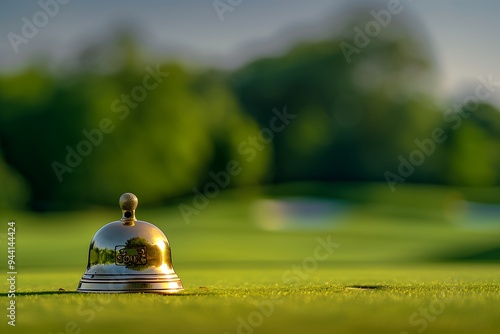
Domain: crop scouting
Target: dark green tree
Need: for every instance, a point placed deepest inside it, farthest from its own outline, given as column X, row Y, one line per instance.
column 354, row 118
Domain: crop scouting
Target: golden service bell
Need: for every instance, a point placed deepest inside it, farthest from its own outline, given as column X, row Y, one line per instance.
column 129, row 255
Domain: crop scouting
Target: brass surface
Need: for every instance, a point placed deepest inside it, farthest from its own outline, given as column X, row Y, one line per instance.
column 129, row 255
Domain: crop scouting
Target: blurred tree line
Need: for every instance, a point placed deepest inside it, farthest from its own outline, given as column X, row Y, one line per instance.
column 88, row 135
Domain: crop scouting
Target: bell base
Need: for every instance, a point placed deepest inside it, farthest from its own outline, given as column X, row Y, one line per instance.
column 171, row 285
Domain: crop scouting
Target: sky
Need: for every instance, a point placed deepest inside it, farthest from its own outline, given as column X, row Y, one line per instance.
column 463, row 34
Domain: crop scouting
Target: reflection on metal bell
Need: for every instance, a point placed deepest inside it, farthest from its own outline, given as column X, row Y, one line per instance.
column 130, row 255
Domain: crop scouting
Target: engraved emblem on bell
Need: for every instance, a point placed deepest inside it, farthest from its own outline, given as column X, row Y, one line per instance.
column 129, row 255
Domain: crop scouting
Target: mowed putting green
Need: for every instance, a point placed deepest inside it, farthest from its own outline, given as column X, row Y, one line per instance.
column 360, row 268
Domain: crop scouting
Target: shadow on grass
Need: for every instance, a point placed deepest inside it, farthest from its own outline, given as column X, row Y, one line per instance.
column 64, row 292
column 36, row 293
column 366, row 287
column 201, row 291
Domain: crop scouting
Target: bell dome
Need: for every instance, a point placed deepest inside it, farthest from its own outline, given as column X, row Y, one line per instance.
column 129, row 255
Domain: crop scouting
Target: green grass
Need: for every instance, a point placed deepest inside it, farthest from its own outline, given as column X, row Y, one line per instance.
column 397, row 269
column 333, row 300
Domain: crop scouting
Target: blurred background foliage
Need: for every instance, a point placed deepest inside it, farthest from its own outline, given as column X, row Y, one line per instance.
column 353, row 122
